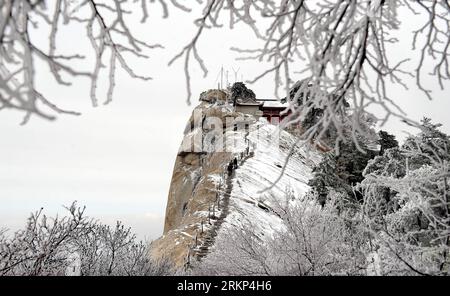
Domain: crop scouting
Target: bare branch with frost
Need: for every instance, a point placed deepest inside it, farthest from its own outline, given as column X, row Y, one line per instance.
column 343, row 50
column 107, row 29
column 77, row 245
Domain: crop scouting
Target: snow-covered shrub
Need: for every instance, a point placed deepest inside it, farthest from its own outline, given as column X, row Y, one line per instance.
column 413, row 237
column 319, row 241
column 313, row 241
column 75, row 245
column 406, row 204
column 401, row 226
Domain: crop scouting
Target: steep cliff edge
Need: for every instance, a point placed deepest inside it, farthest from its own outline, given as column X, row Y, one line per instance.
column 225, row 161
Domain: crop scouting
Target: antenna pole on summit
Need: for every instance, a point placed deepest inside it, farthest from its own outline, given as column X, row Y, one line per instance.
column 236, row 74
column 227, row 79
column 221, row 77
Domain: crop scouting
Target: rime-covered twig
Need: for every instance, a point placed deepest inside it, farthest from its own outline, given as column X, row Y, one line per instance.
column 341, row 47
column 109, row 33
column 74, row 242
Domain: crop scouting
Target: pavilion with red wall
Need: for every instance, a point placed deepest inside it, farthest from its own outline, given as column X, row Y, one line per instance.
column 273, row 111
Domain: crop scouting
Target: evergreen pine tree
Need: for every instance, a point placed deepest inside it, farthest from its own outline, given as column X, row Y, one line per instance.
column 386, row 141
column 341, row 172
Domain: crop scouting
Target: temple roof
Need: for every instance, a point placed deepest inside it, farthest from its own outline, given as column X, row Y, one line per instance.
column 274, row 104
column 248, row 102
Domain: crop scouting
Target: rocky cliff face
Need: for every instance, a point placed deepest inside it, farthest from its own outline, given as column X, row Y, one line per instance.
column 225, row 161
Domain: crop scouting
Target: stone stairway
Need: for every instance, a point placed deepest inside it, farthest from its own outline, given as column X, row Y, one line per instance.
column 209, row 236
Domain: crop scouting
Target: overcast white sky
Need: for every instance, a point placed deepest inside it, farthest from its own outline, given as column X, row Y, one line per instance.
column 118, row 159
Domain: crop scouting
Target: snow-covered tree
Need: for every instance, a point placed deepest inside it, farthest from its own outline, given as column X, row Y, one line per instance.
column 107, row 29
column 406, row 204
column 386, row 141
column 340, row 171
column 54, row 246
column 341, row 48
column 312, row 241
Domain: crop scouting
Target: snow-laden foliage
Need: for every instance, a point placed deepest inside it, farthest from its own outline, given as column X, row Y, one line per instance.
column 75, row 245
column 313, row 241
column 410, row 225
column 338, row 51
column 400, row 225
column 407, row 204
column 107, row 29
column 341, row 169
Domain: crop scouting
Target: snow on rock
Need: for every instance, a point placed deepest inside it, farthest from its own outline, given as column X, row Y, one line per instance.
column 253, row 191
column 205, row 199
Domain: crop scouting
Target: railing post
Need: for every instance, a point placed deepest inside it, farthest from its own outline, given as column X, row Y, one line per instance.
column 209, row 214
